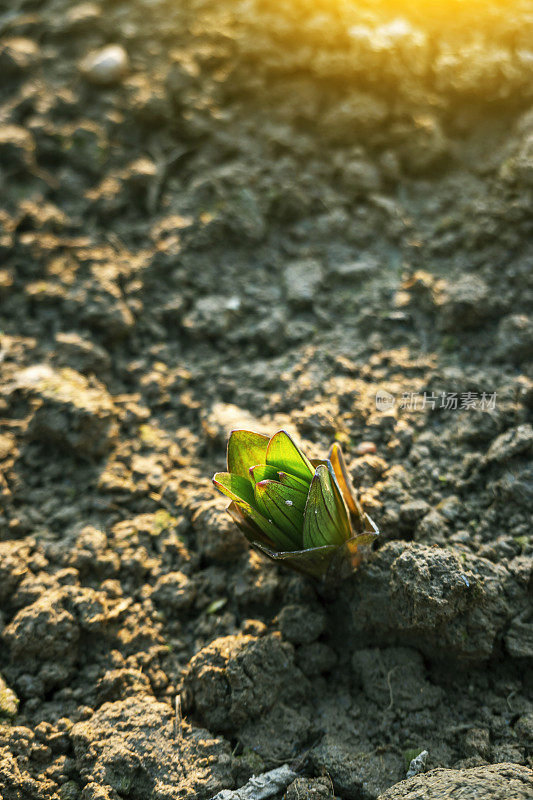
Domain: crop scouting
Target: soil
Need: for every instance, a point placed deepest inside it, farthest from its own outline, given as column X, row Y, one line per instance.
column 261, row 214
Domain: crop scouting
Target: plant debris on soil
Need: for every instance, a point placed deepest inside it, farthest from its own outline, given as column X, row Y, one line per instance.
column 313, row 216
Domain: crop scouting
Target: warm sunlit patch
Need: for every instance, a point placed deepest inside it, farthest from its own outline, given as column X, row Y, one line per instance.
column 465, row 14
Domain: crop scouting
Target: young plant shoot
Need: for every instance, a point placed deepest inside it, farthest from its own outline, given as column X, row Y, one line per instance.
column 300, row 511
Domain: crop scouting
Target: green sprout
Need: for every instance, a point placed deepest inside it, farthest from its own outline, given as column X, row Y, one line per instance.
column 300, row 511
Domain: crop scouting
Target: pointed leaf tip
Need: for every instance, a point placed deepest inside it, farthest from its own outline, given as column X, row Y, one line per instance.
column 345, row 484
column 284, row 454
column 245, row 450
column 234, row 486
column 323, row 524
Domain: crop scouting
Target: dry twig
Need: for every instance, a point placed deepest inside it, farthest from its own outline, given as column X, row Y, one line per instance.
column 178, row 718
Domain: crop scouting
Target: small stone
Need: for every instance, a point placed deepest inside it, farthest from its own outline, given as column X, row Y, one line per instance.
column 357, row 773
column 237, row 678
column 174, row 592
column 524, row 727
column 355, row 271
column 7, row 445
column 213, row 315
column 9, row 701
column 17, row 55
column 367, row 469
column 507, row 754
column 81, row 354
column 68, row 410
column 519, row 637
column 17, row 148
column 217, row 537
column 412, row 511
column 477, row 742
column 425, row 147
column 106, row 66
column 417, row 764
column 302, row 279
column 81, row 18
column 514, row 442
column 117, row 684
column 41, row 636
column 359, row 113
column 364, row 448
column 360, row 176
column 465, row 304
column 447, row 601
column 141, row 172
column 310, row 788
column 451, row 508
column 514, row 340
column 318, row 418
column 301, row 624
column 6, row 282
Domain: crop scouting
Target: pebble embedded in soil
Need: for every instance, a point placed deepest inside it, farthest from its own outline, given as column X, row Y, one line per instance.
column 107, row 66
column 302, row 280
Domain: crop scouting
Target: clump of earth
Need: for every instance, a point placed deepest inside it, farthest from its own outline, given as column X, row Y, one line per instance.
column 309, row 216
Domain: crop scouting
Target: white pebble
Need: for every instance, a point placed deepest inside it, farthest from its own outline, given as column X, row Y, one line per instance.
column 105, row 66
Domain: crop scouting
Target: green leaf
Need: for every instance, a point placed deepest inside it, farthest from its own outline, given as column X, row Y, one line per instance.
column 284, row 454
column 234, row 487
column 322, row 523
column 342, row 518
column 290, row 497
column 251, row 530
column 246, row 448
column 262, row 472
column 264, row 522
column 242, row 493
column 284, row 506
column 283, row 517
column 297, row 484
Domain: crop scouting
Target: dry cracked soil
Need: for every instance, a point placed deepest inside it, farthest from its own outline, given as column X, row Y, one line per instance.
column 263, row 214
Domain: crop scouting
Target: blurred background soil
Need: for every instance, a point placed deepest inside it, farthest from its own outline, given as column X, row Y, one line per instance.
column 258, row 214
